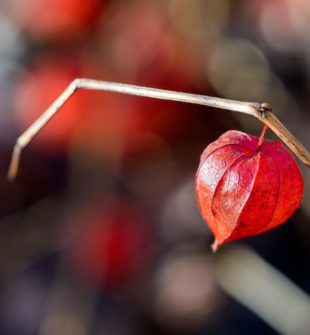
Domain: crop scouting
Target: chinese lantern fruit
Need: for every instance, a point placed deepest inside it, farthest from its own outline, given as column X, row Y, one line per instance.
column 246, row 186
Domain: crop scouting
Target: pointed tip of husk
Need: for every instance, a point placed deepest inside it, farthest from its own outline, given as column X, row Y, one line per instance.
column 215, row 246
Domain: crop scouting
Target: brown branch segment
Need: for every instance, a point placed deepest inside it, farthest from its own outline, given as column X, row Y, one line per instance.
column 269, row 118
column 261, row 111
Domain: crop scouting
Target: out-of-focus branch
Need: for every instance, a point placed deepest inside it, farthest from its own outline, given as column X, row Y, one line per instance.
column 267, row 292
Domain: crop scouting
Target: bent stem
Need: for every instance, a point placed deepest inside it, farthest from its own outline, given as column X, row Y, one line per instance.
column 262, row 112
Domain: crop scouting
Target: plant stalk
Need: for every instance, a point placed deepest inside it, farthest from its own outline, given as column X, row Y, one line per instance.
column 263, row 112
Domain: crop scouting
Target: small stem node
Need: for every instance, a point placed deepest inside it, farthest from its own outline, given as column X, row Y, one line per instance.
column 265, row 108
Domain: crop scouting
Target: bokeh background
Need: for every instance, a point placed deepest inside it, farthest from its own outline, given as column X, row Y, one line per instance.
column 100, row 233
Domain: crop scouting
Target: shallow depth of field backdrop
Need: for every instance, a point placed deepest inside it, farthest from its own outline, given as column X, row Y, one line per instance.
column 100, row 233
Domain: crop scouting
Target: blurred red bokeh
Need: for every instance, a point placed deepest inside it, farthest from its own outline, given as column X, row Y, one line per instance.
column 55, row 19
column 113, row 246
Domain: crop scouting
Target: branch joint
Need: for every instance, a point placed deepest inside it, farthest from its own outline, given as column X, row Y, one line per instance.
column 264, row 109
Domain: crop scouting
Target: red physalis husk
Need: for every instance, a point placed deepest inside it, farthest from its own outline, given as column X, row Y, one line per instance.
column 246, row 186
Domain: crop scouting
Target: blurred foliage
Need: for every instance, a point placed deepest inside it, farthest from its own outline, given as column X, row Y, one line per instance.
column 101, row 234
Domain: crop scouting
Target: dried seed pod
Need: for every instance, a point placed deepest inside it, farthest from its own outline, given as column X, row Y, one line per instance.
column 246, row 186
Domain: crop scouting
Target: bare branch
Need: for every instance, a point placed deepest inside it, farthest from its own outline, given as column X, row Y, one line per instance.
column 285, row 135
column 251, row 108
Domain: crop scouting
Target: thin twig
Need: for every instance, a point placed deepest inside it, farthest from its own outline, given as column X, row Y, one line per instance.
column 262, row 112
column 286, row 136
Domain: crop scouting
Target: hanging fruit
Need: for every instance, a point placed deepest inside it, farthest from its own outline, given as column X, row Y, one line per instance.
column 246, row 186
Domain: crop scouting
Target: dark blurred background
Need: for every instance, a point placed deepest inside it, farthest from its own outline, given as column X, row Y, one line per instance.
column 100, row 233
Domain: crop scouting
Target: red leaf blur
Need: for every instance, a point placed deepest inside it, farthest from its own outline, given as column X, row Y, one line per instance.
column 113, row 244
column 55, row 19
column 244, row 189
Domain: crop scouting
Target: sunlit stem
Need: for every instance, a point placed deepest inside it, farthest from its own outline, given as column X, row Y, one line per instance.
column 261, row 111
column 262, row 136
